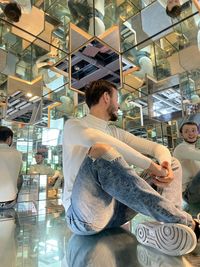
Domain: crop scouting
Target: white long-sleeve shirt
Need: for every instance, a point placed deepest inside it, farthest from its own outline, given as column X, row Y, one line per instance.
column 10, row 166
column 81, row 134
column 189, row 157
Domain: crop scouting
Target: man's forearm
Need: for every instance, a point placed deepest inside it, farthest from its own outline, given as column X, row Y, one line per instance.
column 86, row 137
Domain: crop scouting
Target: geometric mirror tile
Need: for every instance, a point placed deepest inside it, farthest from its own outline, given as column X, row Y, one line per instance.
column 7, row 62
column 22, row 109
column 148, row 15
column 45, row 35
column 131, row 80
column 77, row 38
column 3, row 59
column 185, row 57
column 30, row 23
column 111, row 37
column 94, row 58
column 15, row 84
column 94, row 61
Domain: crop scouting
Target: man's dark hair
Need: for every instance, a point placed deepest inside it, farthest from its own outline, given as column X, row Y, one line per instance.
column 5, row 133
column 174, row 12
column 96, row 89
column 40, row 153
column 188, row 123
column 12, row 12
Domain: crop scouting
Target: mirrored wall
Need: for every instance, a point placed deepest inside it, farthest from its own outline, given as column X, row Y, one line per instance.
column 48, row 57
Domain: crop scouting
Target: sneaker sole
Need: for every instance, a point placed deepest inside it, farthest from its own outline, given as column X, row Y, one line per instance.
column 169, row 238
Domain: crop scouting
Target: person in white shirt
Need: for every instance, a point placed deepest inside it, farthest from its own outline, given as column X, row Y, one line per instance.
column 102, row 191
column 41, row 168
column 14, row 9
column 174, row 7
column 10, row 166
column 88, row 15
column 189, row 157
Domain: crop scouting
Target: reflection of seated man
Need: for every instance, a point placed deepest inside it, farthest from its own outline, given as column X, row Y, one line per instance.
column 110, row 248
column 14, row 9
column 189, row 157
column 10, row 166
column 174, row 8
column 113, row 248
column 84, row 16
column 43, row 169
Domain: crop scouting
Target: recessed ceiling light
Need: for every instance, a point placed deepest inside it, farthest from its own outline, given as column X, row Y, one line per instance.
column 29, row 94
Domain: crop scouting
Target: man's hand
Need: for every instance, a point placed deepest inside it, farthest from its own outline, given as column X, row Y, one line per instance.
column 162, row 174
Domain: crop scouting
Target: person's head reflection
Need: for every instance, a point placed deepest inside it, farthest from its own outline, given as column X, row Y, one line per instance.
column 110, row 248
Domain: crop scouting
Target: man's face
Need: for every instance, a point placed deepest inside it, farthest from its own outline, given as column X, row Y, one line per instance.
column 173, row 3
column 190, row 133
column 112, row 109
column 39, row 159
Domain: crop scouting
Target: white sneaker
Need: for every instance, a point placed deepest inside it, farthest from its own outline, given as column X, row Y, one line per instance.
column 169, row 238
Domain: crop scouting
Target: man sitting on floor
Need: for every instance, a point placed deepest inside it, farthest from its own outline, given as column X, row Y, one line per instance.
column 102, row 191
column 10, row 166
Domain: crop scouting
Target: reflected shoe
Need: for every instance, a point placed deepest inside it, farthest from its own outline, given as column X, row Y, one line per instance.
column 149, row 257
column 169, row 238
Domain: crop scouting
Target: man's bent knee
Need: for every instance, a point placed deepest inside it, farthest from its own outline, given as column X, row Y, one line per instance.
column 98, row 150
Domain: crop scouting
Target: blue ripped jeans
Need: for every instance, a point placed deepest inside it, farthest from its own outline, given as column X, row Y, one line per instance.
column 107, row 193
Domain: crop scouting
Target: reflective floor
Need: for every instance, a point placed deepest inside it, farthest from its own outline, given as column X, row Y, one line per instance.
column 35, row 234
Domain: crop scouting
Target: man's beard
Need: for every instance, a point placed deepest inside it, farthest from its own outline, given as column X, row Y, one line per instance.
column 191, row 142
column 113, row 116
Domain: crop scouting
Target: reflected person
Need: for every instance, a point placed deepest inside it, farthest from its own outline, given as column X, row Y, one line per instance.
column 175, row 7
column 41, row 168
column 189, row 157
column 14, row 9
column 114, row 248
column 87, row 18
column 110, row 248
column 10, row 166
column 102, row 191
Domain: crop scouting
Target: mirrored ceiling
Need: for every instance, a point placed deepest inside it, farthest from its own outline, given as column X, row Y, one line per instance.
column 48, row 57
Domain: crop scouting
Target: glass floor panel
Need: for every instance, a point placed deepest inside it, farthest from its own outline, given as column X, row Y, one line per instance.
column 35, row 235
